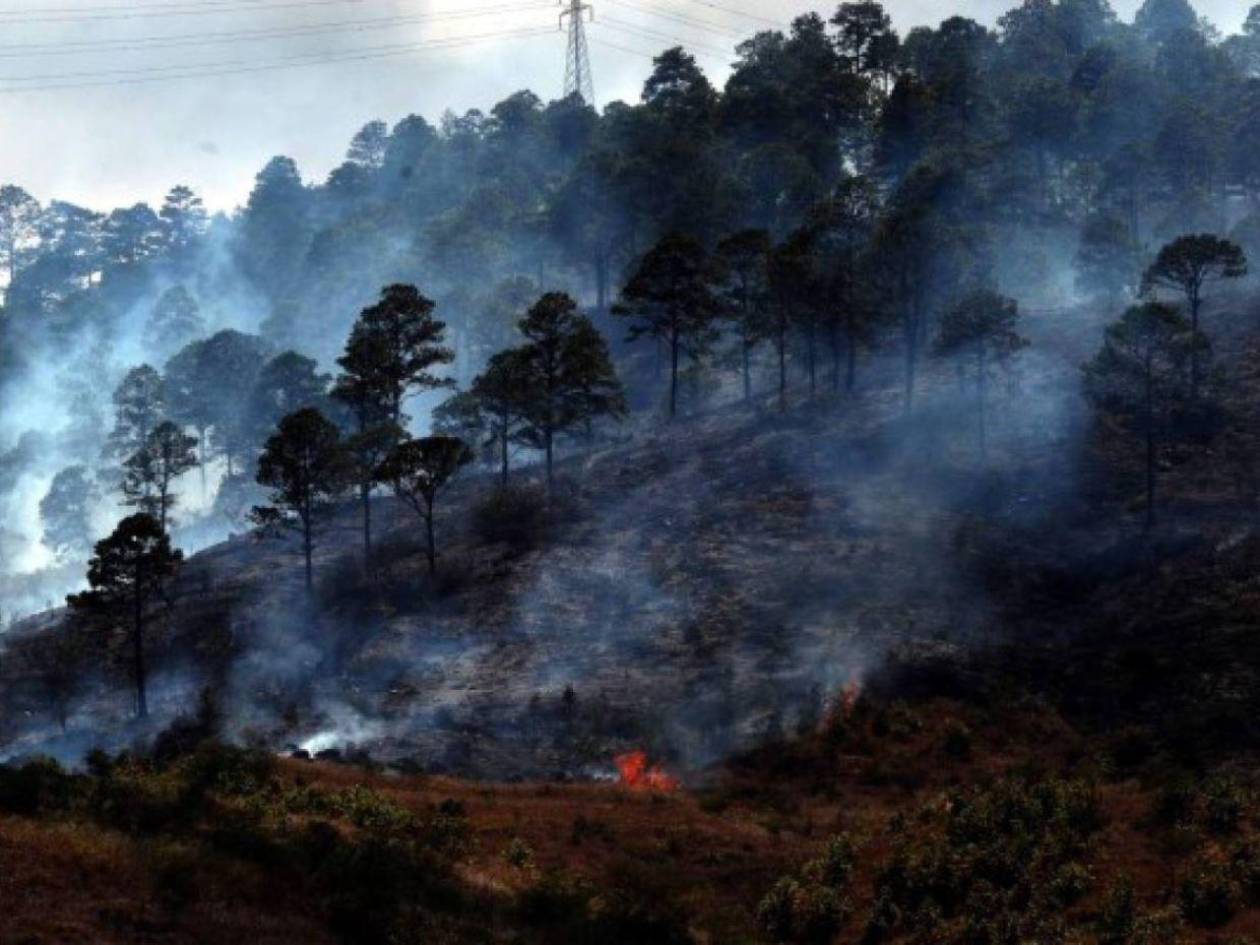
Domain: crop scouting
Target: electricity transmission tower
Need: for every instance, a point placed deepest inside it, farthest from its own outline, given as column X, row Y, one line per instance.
column 577, row 66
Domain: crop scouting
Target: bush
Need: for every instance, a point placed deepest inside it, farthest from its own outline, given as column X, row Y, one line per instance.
column 1158, row 928
column 515, row 516
column 37, row 786
column 835, row 866
column 1224, row 802
column 1070, row 884
column 801, row 913
column 1117, row 919
column 519, row 854
column 1245, row 868
column 1208, row 894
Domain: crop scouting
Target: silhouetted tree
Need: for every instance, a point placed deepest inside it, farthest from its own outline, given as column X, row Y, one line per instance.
column 393, row 349
column 139, row 406
column 150, row 474
column 183, row 217
column 503, row 395
column 208, row 384
column 865, row 39
column 369, row 144
column 981, row 328
column 670, row 298
column 285, row 384
column 131, row 235
column 848, row 298
column 743, row 284
column 418, row 471
column 1187, row 265
column 1158, row 20
column 305, row 466
column 1142, row 377
column 130, row 569
column 565, row 366
column 19, row 226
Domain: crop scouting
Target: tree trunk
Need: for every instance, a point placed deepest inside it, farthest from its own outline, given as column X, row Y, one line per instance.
column 1196, row 302
column 910, row 334
column 548, row 443
column 601, row 283
column 137, row 642
column 674, row 345
column 782, row 370
column 365, row 496
column 811, row 355
column 981, row 390
column 307, row 547
column 747, row 372
column 503, row 457
column 1150, row 448
column 428, row 524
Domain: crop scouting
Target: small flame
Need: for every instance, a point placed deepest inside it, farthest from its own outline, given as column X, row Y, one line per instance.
column 638, row 775
column 841, row 708
column 849, row 696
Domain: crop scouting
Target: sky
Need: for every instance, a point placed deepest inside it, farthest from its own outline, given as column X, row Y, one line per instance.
column 111, row 102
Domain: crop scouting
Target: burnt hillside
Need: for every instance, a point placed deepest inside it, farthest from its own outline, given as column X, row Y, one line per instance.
column 701, row 586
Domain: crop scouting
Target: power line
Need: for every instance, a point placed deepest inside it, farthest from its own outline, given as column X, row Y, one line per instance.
column 160, row 74
column 715, row 28
column 18, row 50
column 211, row 8
column 647, row 33
column 733, row 12
column 624, row 49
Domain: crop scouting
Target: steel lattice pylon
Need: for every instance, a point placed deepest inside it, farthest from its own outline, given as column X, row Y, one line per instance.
column 577, row 66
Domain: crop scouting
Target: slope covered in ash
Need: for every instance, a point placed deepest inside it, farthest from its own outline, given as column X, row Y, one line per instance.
column 692, row 587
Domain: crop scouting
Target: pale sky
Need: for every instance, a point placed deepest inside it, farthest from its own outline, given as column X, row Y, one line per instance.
column 342, row 63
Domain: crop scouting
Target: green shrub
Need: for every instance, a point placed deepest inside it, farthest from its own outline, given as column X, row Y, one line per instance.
column 1208, row 894
column 1070, row 884
column 1158, row 928
column 801, row 913
column 1224, row 802
column 835, row 866
column 1117, row 918
column 1245, row 868
column 519, row 854
column 372, row 811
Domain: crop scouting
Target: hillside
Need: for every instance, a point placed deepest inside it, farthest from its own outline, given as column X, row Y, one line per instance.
column 891, row 821
column 696, row 587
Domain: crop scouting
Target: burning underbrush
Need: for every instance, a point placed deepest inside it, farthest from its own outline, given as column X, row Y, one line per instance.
column 638, row 774
column 891, row 821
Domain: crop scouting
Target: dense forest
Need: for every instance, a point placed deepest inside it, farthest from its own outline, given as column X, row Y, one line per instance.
column 816, row 509
column 840, row 194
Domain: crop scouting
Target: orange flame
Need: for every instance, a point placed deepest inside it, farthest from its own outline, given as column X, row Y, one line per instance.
column 637, row 775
